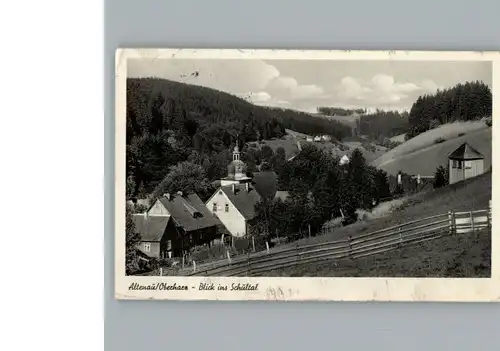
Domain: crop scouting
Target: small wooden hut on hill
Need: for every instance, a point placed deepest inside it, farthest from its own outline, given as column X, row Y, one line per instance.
column 464, row 163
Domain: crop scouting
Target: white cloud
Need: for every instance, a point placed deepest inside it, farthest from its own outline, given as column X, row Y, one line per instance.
column 380, row 90
column 289, row 87
column 430, row 86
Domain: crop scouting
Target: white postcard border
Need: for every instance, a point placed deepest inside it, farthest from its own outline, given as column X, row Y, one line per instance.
column 301, row 289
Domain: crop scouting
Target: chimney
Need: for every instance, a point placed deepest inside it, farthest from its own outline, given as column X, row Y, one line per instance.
column 167, row 195
column 234, row 188
column 247, row 187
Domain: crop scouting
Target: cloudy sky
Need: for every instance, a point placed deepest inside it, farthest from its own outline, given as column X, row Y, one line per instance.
column 306, row 84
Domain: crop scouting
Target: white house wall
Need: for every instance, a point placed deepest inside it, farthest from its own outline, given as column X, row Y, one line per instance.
column 233, row 220
column 472, row 168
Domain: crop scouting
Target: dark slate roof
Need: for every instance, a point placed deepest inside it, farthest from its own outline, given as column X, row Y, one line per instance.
column 150, row 228
column 465, row 152
column 244, row 201
column 189, row 212
column 266, row 183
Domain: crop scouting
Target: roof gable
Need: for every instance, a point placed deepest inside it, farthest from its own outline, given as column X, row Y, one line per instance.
column 465, row 152
column 151, row 228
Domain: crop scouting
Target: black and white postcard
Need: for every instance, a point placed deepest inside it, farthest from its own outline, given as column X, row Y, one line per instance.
column 306, row 175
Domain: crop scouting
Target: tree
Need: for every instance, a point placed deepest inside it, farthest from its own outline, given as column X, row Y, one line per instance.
column 186, row 177
column 131, row 241
column 440, row 177
column 266, row 153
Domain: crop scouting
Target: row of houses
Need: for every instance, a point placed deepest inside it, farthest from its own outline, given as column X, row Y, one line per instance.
column 176, row 222
column 319, row 138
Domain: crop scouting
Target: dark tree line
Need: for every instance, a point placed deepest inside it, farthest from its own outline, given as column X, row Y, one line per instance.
column 463, row 102
column 307, row 123
column 320, row 190
column 170, row 122
column 338, row 111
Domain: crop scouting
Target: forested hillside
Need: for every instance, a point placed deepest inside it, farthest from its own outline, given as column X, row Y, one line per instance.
column 463, row 102
column 383, row 124
column 169, row 123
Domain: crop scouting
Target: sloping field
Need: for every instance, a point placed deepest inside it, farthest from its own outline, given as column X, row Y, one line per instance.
column 458, row 256
column 413, row 159
column 425, row 140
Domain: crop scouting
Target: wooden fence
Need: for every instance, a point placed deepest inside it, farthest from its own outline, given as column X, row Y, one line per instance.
column 424, row 229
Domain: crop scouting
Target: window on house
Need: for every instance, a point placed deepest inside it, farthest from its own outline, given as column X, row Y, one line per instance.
column 457, row 164
column 147, row 247
column 227, row 208
column 468, row 165
column 220, row 192
column 214, row 209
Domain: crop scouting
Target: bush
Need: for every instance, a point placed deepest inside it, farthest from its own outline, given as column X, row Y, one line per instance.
column 489, row 121
column 439, row 140
column 440, row 177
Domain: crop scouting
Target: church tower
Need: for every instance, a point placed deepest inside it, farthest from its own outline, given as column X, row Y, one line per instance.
column 236, row 170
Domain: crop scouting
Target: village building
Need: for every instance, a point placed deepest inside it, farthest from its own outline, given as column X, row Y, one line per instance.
column 344, row 160
column 233, row 203
column 173, row 224
column 464, row 163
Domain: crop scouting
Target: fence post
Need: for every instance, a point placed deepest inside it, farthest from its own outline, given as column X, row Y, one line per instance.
column 267, row 247
column 400, row 237
column 253, row 243
column 161, row 271
column 349, row 254
column 248, row 264
column 451, row 218
column 228, row 257
column 489, row 215
column 297, row 251
column 183, row 260
column 471, row 220
column 194, row 267
column 309, row 229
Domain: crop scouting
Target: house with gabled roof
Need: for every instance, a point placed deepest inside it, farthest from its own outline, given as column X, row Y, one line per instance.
column 233, row 203
column 173, row 224
column 464, row 163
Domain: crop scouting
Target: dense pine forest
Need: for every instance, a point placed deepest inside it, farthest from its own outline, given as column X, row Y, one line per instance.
column 463, row 102
column 383, row 124
column 172, row 124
